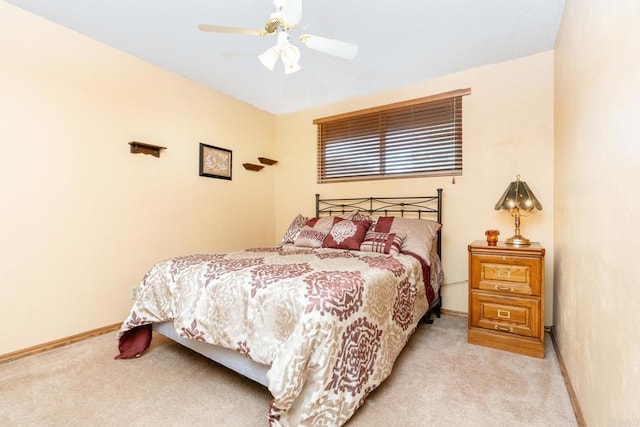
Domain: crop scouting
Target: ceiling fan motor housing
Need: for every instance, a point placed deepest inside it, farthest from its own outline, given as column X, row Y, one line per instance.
column 273, row 24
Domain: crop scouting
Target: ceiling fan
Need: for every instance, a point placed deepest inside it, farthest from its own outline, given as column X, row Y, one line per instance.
column 287, row 15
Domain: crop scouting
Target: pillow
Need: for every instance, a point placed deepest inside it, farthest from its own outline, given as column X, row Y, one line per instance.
column 322, row 223
column 314, row 231
column 384, row 243
column 294, row 229
column 351, row 214
column 310, row 238
column 360, row 216
column 346, row 234
column 419, row 233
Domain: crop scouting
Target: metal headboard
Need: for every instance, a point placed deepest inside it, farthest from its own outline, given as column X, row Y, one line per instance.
column 429, row 207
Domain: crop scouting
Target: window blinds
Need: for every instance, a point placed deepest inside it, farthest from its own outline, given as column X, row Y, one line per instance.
column 420, row 137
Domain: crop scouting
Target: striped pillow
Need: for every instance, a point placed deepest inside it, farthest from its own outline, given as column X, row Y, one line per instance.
column 384, row 243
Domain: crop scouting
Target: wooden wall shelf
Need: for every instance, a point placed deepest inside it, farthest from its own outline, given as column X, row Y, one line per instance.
column 141, row 147
column 266, row 161
column 252, row 167
column 263, row 160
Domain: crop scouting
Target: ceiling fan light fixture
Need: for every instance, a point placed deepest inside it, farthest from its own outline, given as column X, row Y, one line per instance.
column 290, row 55
column 287, row 15
column 270, row 57
column 291, row 68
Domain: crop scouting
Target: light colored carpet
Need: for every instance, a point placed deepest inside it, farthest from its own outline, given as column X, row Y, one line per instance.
column 438, row 380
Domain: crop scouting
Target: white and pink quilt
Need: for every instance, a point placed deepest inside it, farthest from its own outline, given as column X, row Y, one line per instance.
column 330, row 323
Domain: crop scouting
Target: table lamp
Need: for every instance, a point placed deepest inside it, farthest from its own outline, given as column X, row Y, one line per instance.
column 517, row 198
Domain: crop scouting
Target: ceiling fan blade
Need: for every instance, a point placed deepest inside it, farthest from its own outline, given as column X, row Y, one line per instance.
column 231, row 30
column 291, row 12
column 331, row 47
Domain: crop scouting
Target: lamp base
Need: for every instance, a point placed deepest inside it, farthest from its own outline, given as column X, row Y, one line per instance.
column 518, row 240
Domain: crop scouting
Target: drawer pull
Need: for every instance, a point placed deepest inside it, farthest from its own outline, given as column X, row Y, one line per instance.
column 503, row 328
column 504, row 288
column 504, row 273
column 504, row 314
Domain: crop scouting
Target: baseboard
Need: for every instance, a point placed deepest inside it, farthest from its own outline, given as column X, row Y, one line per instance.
column 565, row 374
column 41, row 348
column 453, row 312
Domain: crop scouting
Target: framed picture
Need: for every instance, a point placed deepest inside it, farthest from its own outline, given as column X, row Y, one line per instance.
column 215, row 162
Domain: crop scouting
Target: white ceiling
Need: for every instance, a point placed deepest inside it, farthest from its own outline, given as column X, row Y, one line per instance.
column 401, row 41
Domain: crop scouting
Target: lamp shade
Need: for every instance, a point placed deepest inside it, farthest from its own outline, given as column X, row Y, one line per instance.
column 518, row 195
column 516, row 198
column 292, row 68
column 270, row 57
column 290, row 56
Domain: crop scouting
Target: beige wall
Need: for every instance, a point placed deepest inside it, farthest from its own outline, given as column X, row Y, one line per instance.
column 597, row 160
column 81, row 218
column 507, row 130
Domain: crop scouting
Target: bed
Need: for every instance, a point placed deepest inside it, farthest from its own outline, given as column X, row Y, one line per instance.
column 319, row 319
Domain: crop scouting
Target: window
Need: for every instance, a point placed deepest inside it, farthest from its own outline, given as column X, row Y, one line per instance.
column 421, row 137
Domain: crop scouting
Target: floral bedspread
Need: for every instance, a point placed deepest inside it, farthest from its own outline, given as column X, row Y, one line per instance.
column 330, row 323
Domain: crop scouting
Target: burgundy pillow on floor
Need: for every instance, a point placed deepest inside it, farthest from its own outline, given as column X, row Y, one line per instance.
column 134, row 342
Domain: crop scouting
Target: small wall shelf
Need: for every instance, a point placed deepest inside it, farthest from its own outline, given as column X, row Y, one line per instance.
column 141, row 147
column 252, row 167
column 263, row 160
column 266, row 161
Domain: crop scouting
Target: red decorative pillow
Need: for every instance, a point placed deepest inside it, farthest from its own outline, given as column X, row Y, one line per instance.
column 384, row 243
column 314, row 231
column 322, row 223
column 346, row 234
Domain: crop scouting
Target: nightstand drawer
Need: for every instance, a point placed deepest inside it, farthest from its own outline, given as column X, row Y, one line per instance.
column 505, row 314
column 506, row 275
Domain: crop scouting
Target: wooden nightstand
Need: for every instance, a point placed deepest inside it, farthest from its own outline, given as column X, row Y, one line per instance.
column 506, row 297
